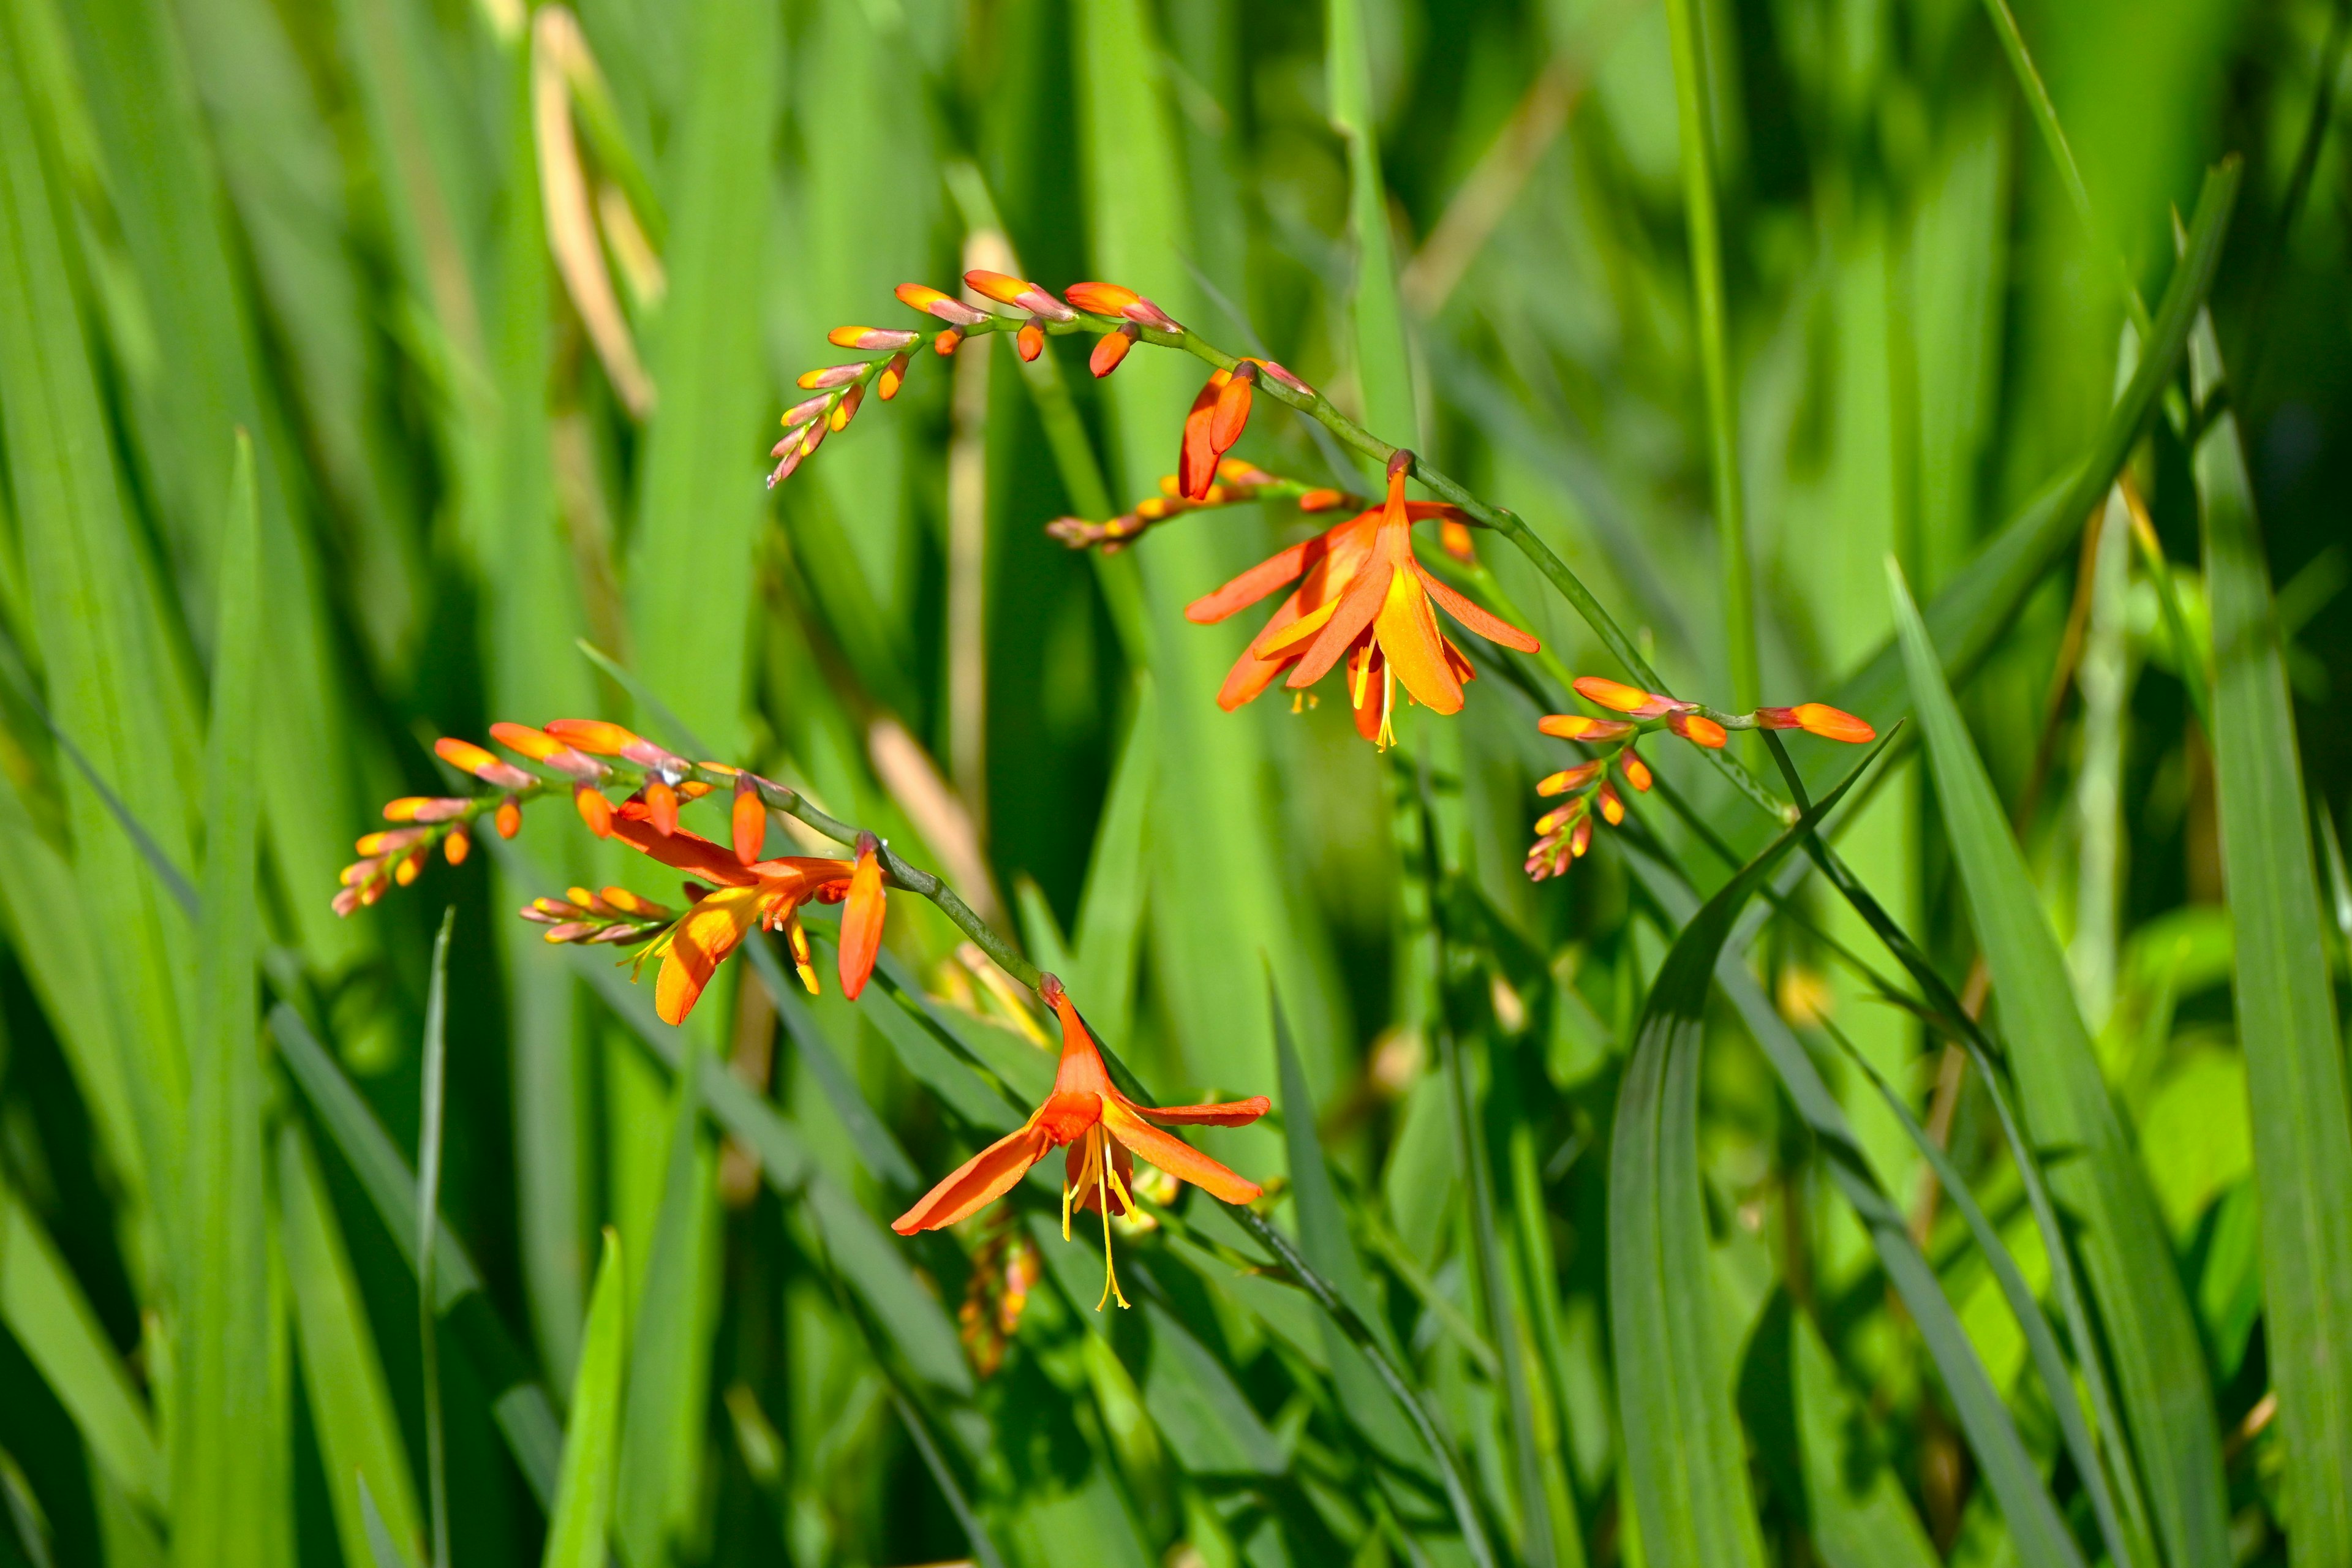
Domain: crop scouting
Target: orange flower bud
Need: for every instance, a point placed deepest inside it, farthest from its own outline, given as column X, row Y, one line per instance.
column 871, row 338
column 1612, row 804
column 595, row 810
column 1322, row 500
column 388, row 840
column 463, row 755
column 457, row 846
column 1030, row 341
column 347, row 903
column 1830, row 723
column 575, row 931
column 509, row 818
column 1579, row 838
column 846, row 409
column 661, row 805
column 1636, row 771
column 946, row 307
column 801, row 413
column 1454, row 538
column 1697, row 729
column 1577, row 727
column 1615, row 694
column 1567, row 779
column 629, row 903
column 544, row 748
column 861, row 917
column 1111, row 350
column 830, row 376
column 1232, row 408
column 598, row 735
column 747, row 820
column 1018, row 291
column 410, row 867
column 893, row 376
column 1100, row 299
column 693, row 789
column 947, row 342
column 425, row 808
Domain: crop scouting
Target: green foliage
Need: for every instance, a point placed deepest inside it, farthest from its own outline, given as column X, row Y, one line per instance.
column 1934, row 1160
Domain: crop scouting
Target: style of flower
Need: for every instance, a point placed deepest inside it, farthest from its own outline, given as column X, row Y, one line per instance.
column 1564, row 834
column 1104, row 1130
column 1361, row 596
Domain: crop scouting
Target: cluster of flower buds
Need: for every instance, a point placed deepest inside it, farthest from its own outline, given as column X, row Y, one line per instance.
column 1004, row 1268
column 396, row 856
column 1237, row 480
column 1564, row 832
column 614, row 917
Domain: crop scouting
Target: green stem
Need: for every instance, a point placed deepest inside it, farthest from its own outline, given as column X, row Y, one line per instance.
column 1706, row 282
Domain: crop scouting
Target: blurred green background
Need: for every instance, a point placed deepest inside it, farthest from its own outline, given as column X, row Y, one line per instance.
column 506, row 298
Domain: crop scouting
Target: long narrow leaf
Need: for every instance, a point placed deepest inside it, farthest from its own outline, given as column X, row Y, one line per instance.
column 585, row 1490
column 2135, row 1287
column 2287, row 1024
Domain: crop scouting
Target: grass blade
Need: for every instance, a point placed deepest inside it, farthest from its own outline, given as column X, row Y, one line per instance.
column 47, row 1312
column 351, row 1404
column 2036, row 1529
column 698, row 507
column 1696, row 135
column 585, row 1490
column 2135, row 1287
column 1681, row 1437
column 225, row 1420
column 1383, row 362
column 2287, row 1024
column 428, row 1217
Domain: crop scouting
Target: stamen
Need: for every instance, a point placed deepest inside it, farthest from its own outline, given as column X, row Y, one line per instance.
column 1102, row 1196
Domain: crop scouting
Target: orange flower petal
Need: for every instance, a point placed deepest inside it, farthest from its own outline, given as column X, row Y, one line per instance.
column 861, row 917
column 596, row 735
column 1414, row 647
column 661, row 807
column 1472, row 616
column 1176, row 1157
column 1230, row 416
column 1196, row 460
column 700, row 944
column 1100, row 299
column 1224, row 1113
column 1611, row 693
column 747, row 820
column 978, row 1181
column 687, row 851
column 1110, row 351
column 595, row 810
column 1282, row 566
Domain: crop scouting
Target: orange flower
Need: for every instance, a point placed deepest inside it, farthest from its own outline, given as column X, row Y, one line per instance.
column 766, row 894
column 1818, row 718
column 1362, row 596
column 1104, row 1129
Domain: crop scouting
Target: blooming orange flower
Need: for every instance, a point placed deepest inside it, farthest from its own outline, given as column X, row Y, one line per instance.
column 1361, row 596
column 1104, row 1130
column 766, row 894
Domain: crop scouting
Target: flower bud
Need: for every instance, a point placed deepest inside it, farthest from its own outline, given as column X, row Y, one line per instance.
column 1112, row 349
column 1018, row 291
column 871, row 338
column 947, row 307
column 893, row 376
column 1030, row 341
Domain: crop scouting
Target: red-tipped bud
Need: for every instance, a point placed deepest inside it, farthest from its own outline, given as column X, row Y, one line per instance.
column 830, row 376
column 412, row 866
column 1101, row 298
column 542, row 747
column 509, row 818
column 457, row 846
column 1286, row 379
column 347, row 903
column 1817, row 718
column 480, row 763
column 812, row 438
column 1322, row 500
column 893, row 378
column 1567, row 779
column 571, row 930
column 801, row 413
column 661, row 807
column 629, row 903
column 846, row 409
column 1111, row 350
column 947, row 342
column 1636, row 771
column 595, row 810
column 861, row 916
column 872, row 339
column 1625, row 698
column 425, row 808
column 1559, row 817
column 598, row 735
column 1577, row 727
column 747, row 820
column 946, row 307
column 388, row 840
column 1196, row 460
column 1697, row 729
column 1612, row 804
column 1018, row 291
column 1580, row 838
column 1030, row 339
